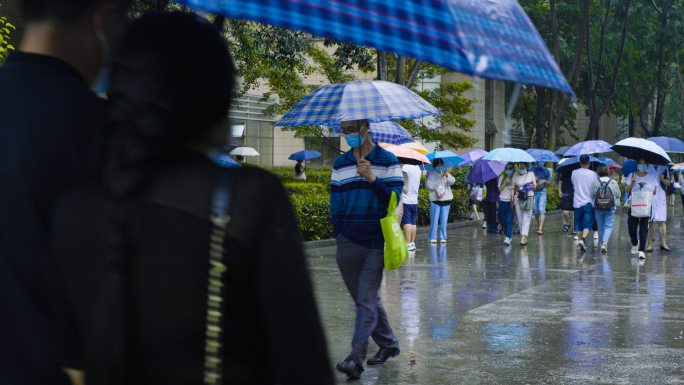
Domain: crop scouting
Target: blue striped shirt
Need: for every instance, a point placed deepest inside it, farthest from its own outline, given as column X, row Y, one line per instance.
column 356, row 206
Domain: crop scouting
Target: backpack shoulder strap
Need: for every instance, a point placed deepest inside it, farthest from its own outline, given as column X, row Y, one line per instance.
column 220, row 217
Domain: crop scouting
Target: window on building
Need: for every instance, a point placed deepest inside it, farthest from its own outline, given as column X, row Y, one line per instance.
column 489, row 99
column 328, row 147
column 255, row 134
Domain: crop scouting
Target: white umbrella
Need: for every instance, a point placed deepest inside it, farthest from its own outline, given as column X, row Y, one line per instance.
column 244, row 151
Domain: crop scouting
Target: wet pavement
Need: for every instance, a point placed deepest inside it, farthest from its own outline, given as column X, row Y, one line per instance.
column 476, row 312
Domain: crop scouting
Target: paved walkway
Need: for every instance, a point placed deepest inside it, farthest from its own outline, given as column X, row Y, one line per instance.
column 475, row 312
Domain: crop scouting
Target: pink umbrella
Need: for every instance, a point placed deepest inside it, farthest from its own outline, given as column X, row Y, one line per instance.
column 408, row 156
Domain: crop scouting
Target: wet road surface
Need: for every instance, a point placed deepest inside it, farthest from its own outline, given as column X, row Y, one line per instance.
column 474, row 311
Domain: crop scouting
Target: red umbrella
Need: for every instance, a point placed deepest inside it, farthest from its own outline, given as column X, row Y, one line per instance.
column 406, row 155
column 615, row 167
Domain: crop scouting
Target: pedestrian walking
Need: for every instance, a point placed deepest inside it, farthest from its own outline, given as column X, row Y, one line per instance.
column 439, row 184
column 139, row 296
column 543, row 178
column 659, row 213
column 409, row 220
column 52, row 137
column 505, row 209
column 671, row 190
column 299, row 170
column 475, row 197
column 582, row 180
column 606, row 195
column 489, row 203
column 524, row 183
column 566, row 198
column 641, row 180
column 363, row 180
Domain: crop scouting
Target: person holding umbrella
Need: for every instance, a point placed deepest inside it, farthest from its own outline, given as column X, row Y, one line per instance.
column 439, row 183
column 543, row 178
column 363, row 181
column 299, row 169
column 505, row 209
column 640, row 180
column 659, row 213
column 524, row 183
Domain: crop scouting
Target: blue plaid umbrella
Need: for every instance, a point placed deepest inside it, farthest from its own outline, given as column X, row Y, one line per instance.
column 376, row 101
column 385, row 132
column 589, row 147
column 542, row 155
column 490, row 39
column 471, row 156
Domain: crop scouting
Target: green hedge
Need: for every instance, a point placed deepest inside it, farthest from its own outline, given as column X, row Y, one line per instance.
column 319, row 175
column 306, row 188
column 311, row 203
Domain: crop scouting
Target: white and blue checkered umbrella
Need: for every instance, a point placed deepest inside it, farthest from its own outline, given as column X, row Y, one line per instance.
column 493, row 39
column 377, row 101
column 385, row 132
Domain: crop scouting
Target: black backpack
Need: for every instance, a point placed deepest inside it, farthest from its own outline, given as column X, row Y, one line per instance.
column 604, row 199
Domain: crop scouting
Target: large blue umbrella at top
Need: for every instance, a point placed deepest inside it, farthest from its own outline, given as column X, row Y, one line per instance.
column 492, row 39
column 509, row 154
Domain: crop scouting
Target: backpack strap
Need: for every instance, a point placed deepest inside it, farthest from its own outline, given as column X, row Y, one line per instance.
column 220, row 217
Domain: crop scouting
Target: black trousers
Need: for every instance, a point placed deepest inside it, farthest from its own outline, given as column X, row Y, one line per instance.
column 642, row 223
column 490, row 212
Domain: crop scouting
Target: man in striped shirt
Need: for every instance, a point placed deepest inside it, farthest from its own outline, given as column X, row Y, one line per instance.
column 363, row 180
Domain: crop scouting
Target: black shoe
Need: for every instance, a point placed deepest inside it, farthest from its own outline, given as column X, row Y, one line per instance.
column 649, row 250
column 665, row 248
column 351, row 369
column 383, row 355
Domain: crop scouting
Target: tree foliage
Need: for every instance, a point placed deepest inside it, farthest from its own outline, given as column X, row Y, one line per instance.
column 5, row 46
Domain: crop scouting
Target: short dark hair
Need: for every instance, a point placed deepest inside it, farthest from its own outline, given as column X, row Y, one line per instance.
column 584, row 159
column 437, row 163
column 603, row 170
column 64, row 11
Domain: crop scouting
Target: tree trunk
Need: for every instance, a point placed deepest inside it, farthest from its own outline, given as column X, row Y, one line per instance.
column 413, row 73
column 401, row 71
column 539, row 121
column 382, row 66
column 631, row 123
column 681, row 96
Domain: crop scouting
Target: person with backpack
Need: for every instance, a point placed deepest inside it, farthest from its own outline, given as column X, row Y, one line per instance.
column 606, row 194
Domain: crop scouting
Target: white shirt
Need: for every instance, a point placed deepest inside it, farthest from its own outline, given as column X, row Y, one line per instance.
column 656, row 171
column 413, row 173
column 505, row 195
column 649, row 180
column 582, row 180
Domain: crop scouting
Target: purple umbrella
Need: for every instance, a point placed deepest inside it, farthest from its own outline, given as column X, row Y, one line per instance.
column 471, row 156
column 589, row 147
column 484, row 170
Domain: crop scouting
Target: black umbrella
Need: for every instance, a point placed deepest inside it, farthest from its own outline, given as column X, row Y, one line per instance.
column 562, row 151
column 637, row 148
column 571, row 164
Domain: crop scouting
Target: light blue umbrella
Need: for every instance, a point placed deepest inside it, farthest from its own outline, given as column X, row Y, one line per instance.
column 606, row 161
column 492, row 39
column 539, row 154
column 668, row 144
column 471, row 156
column 450, row 159
column 509, row 154
column 384, row 132
column 589, row 147
column 376, row 101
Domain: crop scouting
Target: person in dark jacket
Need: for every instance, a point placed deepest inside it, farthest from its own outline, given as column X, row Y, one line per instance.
column 51, row 139
column 133, row 252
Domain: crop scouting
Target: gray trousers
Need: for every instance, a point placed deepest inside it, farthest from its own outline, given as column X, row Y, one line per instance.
column 361, row 270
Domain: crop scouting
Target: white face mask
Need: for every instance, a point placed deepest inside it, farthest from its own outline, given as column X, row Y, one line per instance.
column 101, row 83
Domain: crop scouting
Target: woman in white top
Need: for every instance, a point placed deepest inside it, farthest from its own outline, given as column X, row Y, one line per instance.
column 505, row 210
column 659, row 214
column 439, row 183
column 521, row 178
column 640, row 181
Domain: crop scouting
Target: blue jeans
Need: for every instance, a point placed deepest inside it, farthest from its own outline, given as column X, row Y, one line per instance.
column 438, row 215
column 506, row 217
column 540, row 202
column 605, row 220
column 361, row 270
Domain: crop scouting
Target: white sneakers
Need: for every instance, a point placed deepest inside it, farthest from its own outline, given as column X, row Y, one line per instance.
column 442, row 241
column 411, row 246
column 507, row 241
column 484, row 225
column 433, row 241
column 604, row 247
column 642, row 255
column 575, row 237
column 582, row 246
column 596, row 236
column 635, row 249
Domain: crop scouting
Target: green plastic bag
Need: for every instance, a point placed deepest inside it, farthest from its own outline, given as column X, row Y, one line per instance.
column 396, row 250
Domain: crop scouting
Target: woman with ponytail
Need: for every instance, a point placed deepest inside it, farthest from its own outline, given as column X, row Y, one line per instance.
column 132, row 253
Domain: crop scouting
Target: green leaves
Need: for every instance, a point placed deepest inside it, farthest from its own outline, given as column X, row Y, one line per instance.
column 5, row 47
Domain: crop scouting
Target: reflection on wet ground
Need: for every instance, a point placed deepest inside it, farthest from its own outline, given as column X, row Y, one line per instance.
column 476, row 312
